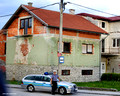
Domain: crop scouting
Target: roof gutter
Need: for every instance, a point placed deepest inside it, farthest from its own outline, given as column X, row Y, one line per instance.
column 79, row 30
column 34, row 15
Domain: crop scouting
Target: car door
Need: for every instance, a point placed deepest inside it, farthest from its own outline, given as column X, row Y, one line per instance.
column 46, row 83
column 38, row 82
column 29, row 80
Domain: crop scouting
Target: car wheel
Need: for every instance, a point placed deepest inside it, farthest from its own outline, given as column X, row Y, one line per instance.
column 30, row 88
column 62, row 90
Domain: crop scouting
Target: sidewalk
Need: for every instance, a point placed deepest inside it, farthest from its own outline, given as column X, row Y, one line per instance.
column 100, row 92
column 103, row 92
column 13, row 86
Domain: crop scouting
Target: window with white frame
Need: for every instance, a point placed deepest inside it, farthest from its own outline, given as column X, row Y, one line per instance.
column 25, row 24
column 66, row 47
column 116, row 42
column 87, row 48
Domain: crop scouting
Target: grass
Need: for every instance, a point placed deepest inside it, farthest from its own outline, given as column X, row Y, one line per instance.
column 100, row 84
column 13, row 82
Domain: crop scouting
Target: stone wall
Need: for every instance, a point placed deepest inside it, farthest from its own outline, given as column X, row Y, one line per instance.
column 18, row 71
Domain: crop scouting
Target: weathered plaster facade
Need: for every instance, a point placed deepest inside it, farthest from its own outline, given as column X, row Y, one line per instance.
column 41, row 51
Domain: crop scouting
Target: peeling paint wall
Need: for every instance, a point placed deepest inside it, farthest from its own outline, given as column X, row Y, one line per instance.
column 41, row 50
column 23, row 47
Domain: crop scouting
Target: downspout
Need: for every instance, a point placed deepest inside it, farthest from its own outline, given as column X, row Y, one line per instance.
column 100, row 55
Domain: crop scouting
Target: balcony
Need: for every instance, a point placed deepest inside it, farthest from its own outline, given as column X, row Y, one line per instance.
column 110, row 51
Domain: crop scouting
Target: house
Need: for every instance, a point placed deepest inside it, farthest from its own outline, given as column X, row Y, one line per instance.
column 110, row 59
column 32, row 45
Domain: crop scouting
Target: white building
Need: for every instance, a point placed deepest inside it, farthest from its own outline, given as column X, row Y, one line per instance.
column 110, row 46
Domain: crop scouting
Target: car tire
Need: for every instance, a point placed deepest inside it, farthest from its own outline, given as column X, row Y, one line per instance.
column 62, row 90
column 30, row 88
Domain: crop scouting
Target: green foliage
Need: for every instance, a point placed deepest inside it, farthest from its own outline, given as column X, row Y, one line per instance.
column 13, row 82
column 110, row 77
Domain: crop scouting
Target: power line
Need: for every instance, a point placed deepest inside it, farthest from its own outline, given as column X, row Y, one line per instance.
column 92, row 9
column 69, row 3
column 31, row 9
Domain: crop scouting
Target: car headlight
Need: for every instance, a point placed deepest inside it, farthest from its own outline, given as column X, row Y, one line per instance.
column 70, row 86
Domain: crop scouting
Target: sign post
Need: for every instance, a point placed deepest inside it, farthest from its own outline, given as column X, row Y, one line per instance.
column 60, row 34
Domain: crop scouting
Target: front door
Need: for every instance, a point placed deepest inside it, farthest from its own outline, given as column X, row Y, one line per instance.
column 103, row 67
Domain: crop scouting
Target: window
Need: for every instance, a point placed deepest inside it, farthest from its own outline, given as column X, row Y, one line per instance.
column 103, row 24
column 30, row 78
column 65, row 72
column 87, row 72
column 30, row 22
column 22, row 24
column 116, row 42
column 39, row 78
column 46, row 79
column 66, row 47
column 87, row 48
column 103, row 45
column 25, row 24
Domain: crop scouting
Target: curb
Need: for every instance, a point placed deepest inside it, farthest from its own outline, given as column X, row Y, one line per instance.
column 97, row 89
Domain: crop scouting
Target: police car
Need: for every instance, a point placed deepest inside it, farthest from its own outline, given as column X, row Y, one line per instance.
column 42, row 82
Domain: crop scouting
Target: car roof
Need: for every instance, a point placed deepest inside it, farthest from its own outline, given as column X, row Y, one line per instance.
column 38, row 75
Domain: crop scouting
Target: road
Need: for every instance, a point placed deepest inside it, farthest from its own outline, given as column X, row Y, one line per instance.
column 22, row 92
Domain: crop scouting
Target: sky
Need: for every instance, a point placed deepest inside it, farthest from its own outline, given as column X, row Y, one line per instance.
column 109, row 6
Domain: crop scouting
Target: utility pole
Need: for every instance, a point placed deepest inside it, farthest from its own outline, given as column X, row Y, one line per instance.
column 60, row 35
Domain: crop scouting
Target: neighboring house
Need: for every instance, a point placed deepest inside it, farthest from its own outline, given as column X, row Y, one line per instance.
column 110, row 46
column 32, row 45
column 2, row 50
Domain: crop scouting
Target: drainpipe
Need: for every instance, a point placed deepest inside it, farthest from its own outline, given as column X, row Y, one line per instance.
column 100, row 56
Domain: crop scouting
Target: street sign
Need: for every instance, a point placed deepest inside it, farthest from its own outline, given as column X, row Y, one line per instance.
column 61, row 59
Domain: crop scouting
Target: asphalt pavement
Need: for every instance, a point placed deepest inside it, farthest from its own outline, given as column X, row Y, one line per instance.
column 22, row 92
column 95, row 92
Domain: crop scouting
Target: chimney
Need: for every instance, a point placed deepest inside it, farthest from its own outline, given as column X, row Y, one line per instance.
column 30, row 4
column 72, row 11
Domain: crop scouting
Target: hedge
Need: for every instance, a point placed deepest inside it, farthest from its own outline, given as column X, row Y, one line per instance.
column 110, row 77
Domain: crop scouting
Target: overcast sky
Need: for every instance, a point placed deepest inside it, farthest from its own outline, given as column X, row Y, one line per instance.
column 110, row 6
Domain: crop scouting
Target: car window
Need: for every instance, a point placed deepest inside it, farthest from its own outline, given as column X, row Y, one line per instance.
column 39, row 78
column 46, row 79
column 30, row 78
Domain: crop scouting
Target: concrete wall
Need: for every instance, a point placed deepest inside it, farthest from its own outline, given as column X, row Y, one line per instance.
column 18, row 71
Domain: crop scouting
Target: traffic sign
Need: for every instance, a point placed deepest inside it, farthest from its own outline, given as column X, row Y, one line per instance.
column 61, row 59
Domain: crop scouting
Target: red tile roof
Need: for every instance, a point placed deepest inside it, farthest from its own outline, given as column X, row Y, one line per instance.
column 69, row 21
column 115, row 18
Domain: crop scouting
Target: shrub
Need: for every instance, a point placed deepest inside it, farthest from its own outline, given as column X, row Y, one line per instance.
column 110, row 77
